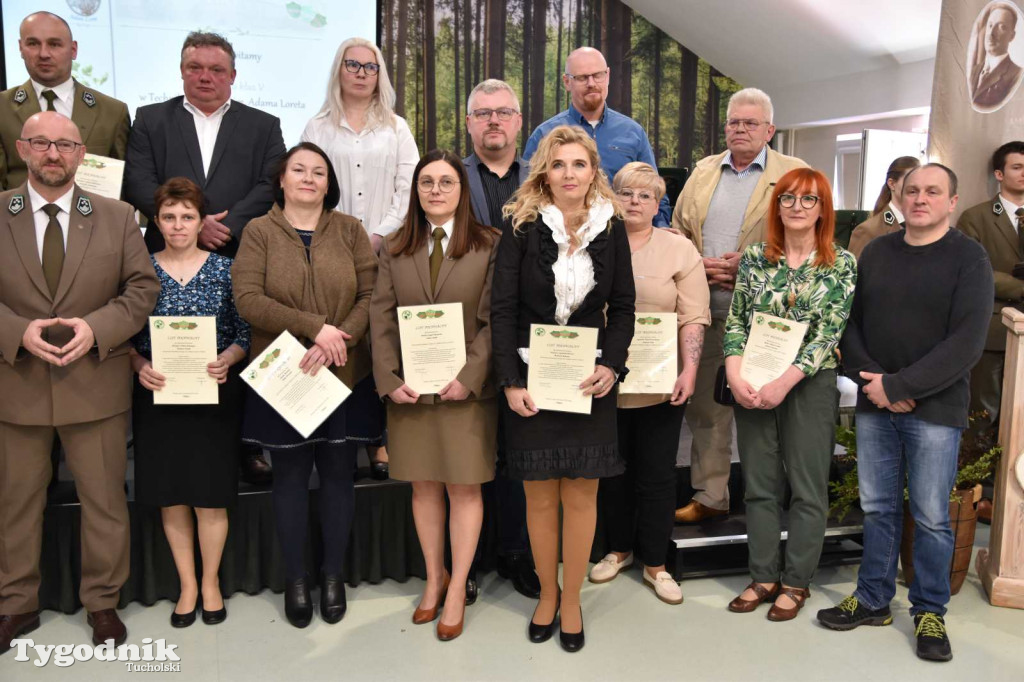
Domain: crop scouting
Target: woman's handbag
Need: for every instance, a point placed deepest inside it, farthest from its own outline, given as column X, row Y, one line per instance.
column 723, row 394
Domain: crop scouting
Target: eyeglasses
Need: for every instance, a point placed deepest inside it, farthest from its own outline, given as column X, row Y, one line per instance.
column 504, row 114
column 370, row 68
column 446, row 185
column 41, row 144
column 807, row 201
column 599, row 77
column 743, row 124
column 642, row 196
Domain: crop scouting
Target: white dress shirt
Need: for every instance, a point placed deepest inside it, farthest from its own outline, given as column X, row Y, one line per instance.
column 42, row 220
column 448, row 227
column 897, row 213
column 65, row 100
column 1011, row 211
column 374, row 169
column 574, row 273
column 207, row 128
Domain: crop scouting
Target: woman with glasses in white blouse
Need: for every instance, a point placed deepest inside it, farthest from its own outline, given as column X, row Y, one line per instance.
column 373, row 153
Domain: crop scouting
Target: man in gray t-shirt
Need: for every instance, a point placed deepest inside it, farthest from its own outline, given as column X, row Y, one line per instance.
column 722, row 210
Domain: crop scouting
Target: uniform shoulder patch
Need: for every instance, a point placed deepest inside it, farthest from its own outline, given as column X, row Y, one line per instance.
column 84, row 206
column 889, row 218
column 20, row 96
column 997, row 208
column 89, row 99
column 17, row 204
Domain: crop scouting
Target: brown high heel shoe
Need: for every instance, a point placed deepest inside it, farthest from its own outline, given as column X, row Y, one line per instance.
column 741, row 605
column 798, row 594
column 446, row 633
column 421, row 616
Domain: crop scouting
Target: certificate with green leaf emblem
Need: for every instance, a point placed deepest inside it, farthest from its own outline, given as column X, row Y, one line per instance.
column 772, row 346
column 560, row 359
column 433, row 345
column 653, row 354
column 303, row 400
column 100, row 175
column 182, row 348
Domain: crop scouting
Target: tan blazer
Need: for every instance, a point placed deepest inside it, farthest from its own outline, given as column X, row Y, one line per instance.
column 102, row 121
column 692, row 206
column 405, row 280
column 875, row 226
column 989, row 224
column 108, row 281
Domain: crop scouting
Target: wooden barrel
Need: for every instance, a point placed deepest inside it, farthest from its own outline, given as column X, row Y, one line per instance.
column 964, row 522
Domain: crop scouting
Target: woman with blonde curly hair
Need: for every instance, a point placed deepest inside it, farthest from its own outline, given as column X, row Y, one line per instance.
column 565, row 261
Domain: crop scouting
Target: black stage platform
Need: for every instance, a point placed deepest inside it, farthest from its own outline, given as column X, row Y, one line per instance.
column 383, row 544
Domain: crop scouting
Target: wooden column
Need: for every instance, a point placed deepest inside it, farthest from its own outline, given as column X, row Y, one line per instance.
column 1001, row 566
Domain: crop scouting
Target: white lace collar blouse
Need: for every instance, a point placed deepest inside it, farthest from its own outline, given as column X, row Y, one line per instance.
column 574, row 274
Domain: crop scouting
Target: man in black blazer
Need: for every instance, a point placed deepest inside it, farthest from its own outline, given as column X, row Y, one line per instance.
column 495, row 172
column 224, row 146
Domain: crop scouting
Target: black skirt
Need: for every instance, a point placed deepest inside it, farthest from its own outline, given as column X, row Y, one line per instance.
column 188, row 454
column 358, row 419
column 552, row 445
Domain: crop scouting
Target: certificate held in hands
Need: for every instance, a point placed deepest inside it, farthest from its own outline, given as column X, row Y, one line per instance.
column 182, row 348
column 772, row 346
column 303, row 400
column 653, row 354
column 433, row 345
column 560, row 359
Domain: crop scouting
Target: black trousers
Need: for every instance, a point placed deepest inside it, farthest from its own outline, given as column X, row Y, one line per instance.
column 638, row 506
column 335, row 465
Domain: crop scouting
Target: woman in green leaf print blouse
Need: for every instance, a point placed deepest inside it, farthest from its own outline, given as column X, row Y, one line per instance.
column 785, row 428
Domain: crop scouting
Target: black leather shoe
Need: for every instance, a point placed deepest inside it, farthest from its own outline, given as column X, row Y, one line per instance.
column 518, row 569
column 572, row 642
column 298, row 607
column 379, row 471
column 472, row 589
column 542, row 633
column 183, row 620
column 218, row 616
column 255, row 467
column 332, row 598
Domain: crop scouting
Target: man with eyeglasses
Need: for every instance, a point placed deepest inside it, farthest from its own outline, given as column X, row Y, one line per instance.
column 222, row 145
column 495, row 172
column 619, row 138
column 225, row 147
column 48, row 48
column 76, row 284
column 722, row 210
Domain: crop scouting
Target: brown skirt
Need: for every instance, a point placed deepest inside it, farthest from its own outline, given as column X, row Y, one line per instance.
column 447, row 442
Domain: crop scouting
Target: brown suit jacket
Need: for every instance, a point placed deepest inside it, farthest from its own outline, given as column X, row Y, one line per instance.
column 103, row 122
column 108, row 281
column 877, row 225
column 990, row 91
column 405, row 280
column 992, row 227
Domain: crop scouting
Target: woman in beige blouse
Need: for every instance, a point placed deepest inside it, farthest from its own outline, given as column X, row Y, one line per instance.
column 638, row 506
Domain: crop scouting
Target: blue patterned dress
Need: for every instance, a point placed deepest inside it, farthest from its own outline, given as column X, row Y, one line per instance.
column 188, row 454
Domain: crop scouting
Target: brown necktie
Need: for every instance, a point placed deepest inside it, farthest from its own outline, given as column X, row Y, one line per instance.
column 436, row 256
column 1020, row 229
column 49, row 96
column 53, row 249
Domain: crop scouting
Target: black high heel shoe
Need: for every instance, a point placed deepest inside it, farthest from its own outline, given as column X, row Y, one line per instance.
column 298, row 607
column 183, row 620
column 332, row 598
column 542, row 633
column 379, row 471
column 218, row 616
column 572, row 642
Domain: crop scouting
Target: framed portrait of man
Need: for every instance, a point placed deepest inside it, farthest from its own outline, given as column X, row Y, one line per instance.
column 995, row 54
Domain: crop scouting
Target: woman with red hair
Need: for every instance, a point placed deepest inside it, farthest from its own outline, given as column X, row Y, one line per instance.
column 785, row 428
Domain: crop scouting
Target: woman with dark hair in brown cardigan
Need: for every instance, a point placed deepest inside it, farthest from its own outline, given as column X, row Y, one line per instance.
column 310, row 270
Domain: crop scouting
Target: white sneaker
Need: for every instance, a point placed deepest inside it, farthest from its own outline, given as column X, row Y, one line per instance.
column 664, row 587
column 607, row 568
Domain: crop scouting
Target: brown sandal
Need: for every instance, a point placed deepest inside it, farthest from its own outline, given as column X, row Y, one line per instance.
column 740, row 605
column 798, row 594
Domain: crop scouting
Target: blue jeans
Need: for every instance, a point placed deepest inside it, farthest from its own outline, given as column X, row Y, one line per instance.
column 893, row 448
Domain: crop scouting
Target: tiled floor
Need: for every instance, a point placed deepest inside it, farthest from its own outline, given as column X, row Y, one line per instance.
column 630, row 636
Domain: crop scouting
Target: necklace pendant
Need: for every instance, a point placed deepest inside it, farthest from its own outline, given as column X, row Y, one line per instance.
column 792, row 299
